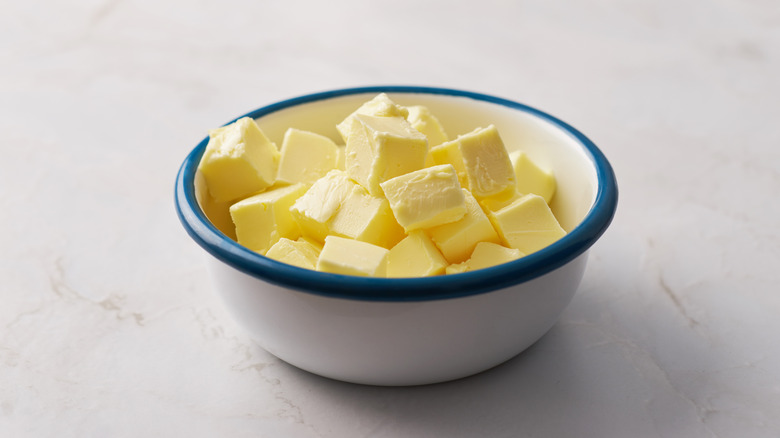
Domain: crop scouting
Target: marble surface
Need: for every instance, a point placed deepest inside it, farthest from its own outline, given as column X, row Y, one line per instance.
column 108, row 326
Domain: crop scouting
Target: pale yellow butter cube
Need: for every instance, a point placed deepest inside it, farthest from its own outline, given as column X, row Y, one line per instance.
column 218, row 213
column 532, row 178
column 426, row 198
column 381, row 148
column 415, row 256
column 456, row 240
column 380, row 106
column 485, row 255
column 239, row 160
column 527, row 224
column 314, row 210
column 366, row 218
column 301, row 253
column 421, row 119
column 481, row 160
column 263, row 219
column 449, row 153
column 352, row 257
column 487, row 162
column 306, row 157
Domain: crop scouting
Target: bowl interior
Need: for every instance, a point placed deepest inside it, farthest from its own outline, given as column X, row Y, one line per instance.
column 545, row 143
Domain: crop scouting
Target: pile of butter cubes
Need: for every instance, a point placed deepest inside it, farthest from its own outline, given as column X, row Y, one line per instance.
column 397, row 199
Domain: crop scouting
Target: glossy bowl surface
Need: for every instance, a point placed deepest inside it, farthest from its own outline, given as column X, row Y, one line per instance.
column 412, row 330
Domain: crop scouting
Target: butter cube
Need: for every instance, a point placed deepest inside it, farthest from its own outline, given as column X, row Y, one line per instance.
column 456, row 240
column 301, row 253
column 449, row 153
column 261, row 220
column 482, row 157
column 239, row 160
column 314, row 210
column 306, row 157
column 352, row 257
column 532, row 178
column 415, row 256
column 527, row 224
column 426, row 198
column 380, row 148
column 218, row 213
column 485, row 255
column 421, row 119
column 379, row 106
column 366, row 218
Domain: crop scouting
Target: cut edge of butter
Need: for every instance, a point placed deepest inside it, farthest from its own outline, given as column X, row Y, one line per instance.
column 532, row 178
column 415, row 256
column 305, row 157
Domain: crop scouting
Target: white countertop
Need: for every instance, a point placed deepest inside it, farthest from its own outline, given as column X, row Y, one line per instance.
column 108, row 327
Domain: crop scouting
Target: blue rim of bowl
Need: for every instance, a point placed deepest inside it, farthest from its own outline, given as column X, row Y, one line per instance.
column 575, row 243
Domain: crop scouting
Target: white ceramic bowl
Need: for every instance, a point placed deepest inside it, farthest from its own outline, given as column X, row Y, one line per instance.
column 412, row 331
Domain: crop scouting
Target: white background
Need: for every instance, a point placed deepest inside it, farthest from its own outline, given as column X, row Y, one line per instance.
column 108, row 327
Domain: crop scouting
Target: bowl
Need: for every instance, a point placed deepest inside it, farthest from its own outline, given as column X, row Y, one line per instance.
column 412, row 331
